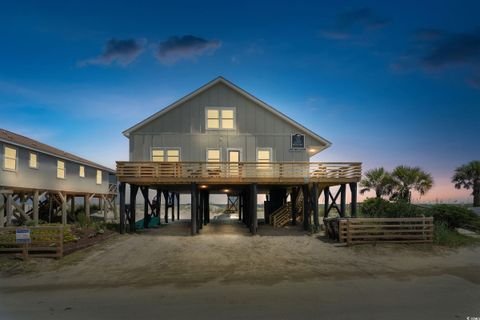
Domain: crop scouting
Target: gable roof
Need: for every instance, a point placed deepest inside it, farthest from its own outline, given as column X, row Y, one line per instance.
column 22, row 141
column 239, row 90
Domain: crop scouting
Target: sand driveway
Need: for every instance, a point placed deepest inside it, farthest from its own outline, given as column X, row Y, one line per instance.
column 226, row 273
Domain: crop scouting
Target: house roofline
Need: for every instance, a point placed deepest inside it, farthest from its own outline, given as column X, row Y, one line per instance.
column 239, row 90
column 57, row 154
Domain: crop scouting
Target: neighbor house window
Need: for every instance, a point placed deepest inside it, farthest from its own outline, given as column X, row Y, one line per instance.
column 220, row 118
column 82, row 172
column 10, row 158
column 213, row 155
column 173, row 155
column 60, row 169
column 99, row 177
column 158, row 155
column 33, row 161
column 264, row 155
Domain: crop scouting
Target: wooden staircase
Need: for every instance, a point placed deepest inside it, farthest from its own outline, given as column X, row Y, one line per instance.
column 282, row 216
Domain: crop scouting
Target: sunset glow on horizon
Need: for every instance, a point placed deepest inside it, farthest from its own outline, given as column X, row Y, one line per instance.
column 385, row 86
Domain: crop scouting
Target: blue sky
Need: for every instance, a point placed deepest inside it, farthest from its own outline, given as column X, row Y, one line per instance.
column 387, row 82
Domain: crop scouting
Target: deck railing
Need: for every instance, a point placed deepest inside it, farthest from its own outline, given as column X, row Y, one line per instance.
column 242, row 172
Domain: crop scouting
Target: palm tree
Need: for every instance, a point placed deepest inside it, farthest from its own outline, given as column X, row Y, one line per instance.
column 406, row 179
column 377, row 179
column 468, row 176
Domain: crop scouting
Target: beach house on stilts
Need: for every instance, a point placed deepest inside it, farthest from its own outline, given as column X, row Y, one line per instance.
column 220, row 139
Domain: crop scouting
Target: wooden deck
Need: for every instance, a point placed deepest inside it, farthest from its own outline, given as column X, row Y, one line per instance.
column 282, row 173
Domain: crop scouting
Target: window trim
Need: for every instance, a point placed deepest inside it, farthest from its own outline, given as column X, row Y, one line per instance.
column 264, row 148
column 80, row 171
column 30, row 160
column 5, row 157
column 64, row 169
column 234, row 109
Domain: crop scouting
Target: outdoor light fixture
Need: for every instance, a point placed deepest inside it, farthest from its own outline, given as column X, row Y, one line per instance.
column 226, row 190
column 203, row 186
column 311, row 150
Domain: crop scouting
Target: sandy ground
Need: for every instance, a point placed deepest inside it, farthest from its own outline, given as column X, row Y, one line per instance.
column 225, row 273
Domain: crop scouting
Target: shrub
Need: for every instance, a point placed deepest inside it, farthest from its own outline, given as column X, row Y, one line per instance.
column 445, row 236
column 377, row 207
column 455, row 217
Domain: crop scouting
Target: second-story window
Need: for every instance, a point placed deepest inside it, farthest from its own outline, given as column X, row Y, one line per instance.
column 81, row 172
column 33, row 161
column 220, row 118
column 60, row 169
column 99, row 176
column 10, row 158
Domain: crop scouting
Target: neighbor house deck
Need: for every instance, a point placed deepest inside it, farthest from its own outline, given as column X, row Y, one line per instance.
column 272, row 173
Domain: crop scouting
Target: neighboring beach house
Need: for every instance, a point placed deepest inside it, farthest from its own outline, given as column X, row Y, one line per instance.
column 35, row 176
column 221, row 139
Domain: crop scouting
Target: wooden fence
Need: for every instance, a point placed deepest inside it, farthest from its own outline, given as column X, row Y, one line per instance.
column 401, row 230
column 46, row 242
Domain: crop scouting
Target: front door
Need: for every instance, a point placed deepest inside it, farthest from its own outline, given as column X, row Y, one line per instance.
column 233, row 155
column 233, row 159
